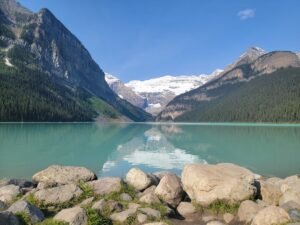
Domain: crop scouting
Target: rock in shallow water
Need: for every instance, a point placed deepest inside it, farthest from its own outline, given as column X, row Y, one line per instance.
column 58, row 195
column 206, row 184
column 59, row 175
column 138, row 179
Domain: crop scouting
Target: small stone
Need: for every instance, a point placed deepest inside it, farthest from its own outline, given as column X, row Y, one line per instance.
column 208, row 218
column 33, row 212
column 59, row 175
column 87, row 201
column 114, row 206
column 122, row 216
column 141, row 218
column 156, row 223
column 125, row 197
column 8, row 218
column 186, row 209
column 99, row 205
column 271, row 215
column 106, row 185
column 228, row 217
column 169, row 190
column 150, row 212
column 134, row 206
column 58, row 195
column 138, row 179
column 73, row 216
column 149, row 198
column 9, row 192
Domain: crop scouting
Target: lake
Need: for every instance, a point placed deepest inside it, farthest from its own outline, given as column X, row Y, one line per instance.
column 112, row 149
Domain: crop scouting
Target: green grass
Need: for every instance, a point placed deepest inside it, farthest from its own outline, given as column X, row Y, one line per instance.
column 221, row 207
column 24, row 218
column 94, row 218
column 104, row 108
column 51, row 222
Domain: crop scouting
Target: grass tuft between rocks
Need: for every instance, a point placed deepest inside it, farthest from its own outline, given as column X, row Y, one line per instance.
column 51, row 222
column 24, row 218
column 221, row 207
column 94, row 218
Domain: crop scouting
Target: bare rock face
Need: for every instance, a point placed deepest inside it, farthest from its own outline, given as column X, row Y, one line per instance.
column 271, row 215
column 33, row 212
column 106, row 185
column 7, row 218
column 58, row 175
column 206, row 184
column 138, row 179
column 9, row 192
column 247, row 210
column 73, row 216
column 169, row 190
column 58, row 195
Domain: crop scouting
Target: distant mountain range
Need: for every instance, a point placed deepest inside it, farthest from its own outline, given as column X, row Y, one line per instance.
column 154, row 94
column 259, row 87
column 46, row 74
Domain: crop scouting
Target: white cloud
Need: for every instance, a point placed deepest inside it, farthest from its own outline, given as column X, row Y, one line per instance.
column 246, row 14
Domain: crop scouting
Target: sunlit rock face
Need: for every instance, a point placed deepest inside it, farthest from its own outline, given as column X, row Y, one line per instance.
column 151, row 150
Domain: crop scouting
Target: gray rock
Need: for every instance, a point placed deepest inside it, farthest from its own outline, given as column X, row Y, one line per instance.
column 271, row 215
column 59, row 175
column 8, row 218
column 3, row 206
column 114, row 205
column 150, row 212
column 9, row 192
column 73, row 216
column 149, row 198
column 206, row 184
column 247, row 210
column 150, row 189
column 186, row 209
column 169, row 190
column 290, row 205
column 134, row 206
column 33, row 212
column 123, row 216
column 22, row 183
column 4, row 182
column 87, row 201
column 99, row 205
column 106, row 185
column 125, row 197
column 141, row 218
column 58, row 195
column 138, row 179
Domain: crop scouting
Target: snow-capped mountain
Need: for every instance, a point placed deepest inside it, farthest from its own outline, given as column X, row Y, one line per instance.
column 154, row 94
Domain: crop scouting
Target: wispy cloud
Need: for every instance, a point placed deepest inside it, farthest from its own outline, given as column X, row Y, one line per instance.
column 246, row 14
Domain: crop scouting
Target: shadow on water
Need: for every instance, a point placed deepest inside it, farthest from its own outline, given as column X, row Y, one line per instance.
column 111, row 149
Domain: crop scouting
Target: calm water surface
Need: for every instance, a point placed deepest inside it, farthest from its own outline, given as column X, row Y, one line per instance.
column 111, row 149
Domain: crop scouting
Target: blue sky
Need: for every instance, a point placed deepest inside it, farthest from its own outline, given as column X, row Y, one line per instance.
column 141, row 39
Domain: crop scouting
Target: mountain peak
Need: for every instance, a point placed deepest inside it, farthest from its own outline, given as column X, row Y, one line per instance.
column 254, row 52
column 14, row 10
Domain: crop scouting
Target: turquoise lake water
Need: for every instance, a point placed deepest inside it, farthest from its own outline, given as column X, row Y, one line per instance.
column 112, row 149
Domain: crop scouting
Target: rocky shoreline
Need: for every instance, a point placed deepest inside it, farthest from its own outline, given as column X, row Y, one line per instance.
column 204, row 194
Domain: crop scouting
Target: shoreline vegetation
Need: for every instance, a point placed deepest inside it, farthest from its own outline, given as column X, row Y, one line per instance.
column 204, row 194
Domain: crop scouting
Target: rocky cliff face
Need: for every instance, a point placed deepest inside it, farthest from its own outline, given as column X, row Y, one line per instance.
column 249, row 66
column 57, row 52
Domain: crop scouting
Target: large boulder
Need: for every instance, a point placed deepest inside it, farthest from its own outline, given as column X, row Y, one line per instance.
column 206, row 184
column 58, row 195
column 270, row 216
column 247, row 210
column 8, row 218
column 34, row 213
column 106, row 185
column 138, row 179
column 270, row 192
column 290, row 188
column 169, row 190
column 59, row 175
column 9, row 192
column 73, row 216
